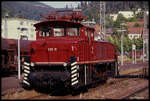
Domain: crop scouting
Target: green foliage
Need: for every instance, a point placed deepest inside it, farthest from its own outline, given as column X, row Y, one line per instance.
column 132, row 19
column 127, row 43
column 138, row 42
column 4, row 11
column 120, row 19
column 109, row 22
column 139, row 15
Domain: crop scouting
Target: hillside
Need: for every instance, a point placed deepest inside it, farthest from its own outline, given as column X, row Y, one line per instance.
column 32, row 10
column 91, row 9
column 28, row 10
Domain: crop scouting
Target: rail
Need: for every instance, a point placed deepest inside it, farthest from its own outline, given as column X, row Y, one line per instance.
column 133, row 93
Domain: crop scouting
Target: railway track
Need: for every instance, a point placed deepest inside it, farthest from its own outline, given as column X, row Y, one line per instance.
column 69, row 96
column 133, row 93
column 142, row 71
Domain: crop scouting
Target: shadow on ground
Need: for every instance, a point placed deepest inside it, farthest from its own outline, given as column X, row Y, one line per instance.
column 63, row 92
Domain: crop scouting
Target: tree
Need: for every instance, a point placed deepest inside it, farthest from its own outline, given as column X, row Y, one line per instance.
column 127, row 44
column 4, row 11
column 138, row 42
column 109, row 22
column 121, row 18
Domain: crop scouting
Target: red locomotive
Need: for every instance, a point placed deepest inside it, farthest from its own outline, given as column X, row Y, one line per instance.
column 66, row 55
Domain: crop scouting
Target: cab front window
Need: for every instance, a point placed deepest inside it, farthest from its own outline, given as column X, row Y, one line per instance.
column 45, row 32
column 73, row 32
column 59, row 32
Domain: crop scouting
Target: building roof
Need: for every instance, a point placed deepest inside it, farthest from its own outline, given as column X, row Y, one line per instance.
column 131, row 24
column 135, row 30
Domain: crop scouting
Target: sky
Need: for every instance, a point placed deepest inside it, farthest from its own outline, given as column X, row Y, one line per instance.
column 61, row 4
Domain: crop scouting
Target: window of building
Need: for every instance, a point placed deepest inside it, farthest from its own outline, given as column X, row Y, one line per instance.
column 21, row 22
column 24, row 37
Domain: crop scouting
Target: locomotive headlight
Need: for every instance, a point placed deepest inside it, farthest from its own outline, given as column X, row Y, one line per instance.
column 65, row 64
column 32, row 64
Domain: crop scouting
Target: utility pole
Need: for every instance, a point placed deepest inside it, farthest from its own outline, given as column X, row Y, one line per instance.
column 121, row 31
column 102, row 19
column 145, row 33
column 145, row 37
column 122, row 49
column 18, row 53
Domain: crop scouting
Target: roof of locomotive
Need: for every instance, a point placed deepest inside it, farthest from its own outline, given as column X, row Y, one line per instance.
column 53, row 23
column 64, row 18
column 58, row 23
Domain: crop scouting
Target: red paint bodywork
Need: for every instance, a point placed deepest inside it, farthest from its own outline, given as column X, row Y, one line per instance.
column 57, row 50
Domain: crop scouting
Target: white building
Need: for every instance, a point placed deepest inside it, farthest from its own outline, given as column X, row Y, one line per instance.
column 9, row 28
column 127, row 14
column 113, row 16
column 139, row 10
column 135, row 32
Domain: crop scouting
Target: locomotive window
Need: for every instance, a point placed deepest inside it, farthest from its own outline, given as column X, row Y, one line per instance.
column 92, row 34
column 73, row 32
column 41, row 33
column 59, row 32
column 45, row 32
